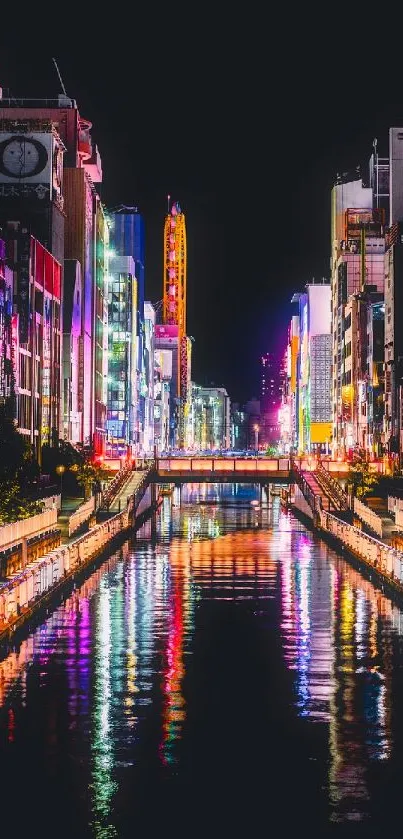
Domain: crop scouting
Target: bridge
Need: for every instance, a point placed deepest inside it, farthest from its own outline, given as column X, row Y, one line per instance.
column 178, row 470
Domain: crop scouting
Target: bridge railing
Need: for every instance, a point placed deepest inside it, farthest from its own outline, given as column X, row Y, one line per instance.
column 223, row 465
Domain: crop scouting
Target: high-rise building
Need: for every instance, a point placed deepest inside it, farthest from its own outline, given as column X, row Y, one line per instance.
column 393, row 419
column 50, row 190
column 314, row 368
column 7, row 332
column 149, row 349
column 270, row 393
column 174, row 316
column 36, row 338
column 122, row 357
column 127, row 238
column 211, row 417
column 357, row 270
column 72, row 342
column 162, row 389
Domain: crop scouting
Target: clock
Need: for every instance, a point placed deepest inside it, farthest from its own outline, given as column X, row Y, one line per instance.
column 22, row 157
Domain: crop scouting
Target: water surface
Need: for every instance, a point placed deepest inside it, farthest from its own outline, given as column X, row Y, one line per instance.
column 228, row 675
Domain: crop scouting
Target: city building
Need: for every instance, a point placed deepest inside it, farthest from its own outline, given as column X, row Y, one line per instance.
column 393, row 387
column 8, row 373
column 162, row 390
column 148, row 382
column 314, row 368
column 36, row 337
column 358, row 214
column 174, row 318
column 72, row 347
column 239, row 428
column 122, row 357
column 49, row 173
column 127, row 238
column 211, row 417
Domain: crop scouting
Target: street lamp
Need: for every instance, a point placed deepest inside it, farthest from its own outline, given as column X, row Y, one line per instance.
column 60, row 469
column 256, row 430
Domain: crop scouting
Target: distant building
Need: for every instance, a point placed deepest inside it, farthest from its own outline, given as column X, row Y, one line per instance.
column 211, row 417
column 239, row 428
column 314, row 368
column 127, row 238
column 148, row 382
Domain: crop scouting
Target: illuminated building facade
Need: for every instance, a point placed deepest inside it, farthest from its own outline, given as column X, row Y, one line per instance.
column 393, row 419
column 149, row 346
column 239, row 428
column 162, row 389
column 36, row 337
column 288, row 414
column 358, row 215
column 211, row 417
column 7, row 327
column 314, row 368
column 122, row 356
column 174, row 315
column 53, row 195
column 72, row 341
column 127, row 238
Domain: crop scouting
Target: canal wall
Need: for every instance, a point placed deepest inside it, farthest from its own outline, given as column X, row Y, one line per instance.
column 301, row 504
column 380, row 559
column 34, row 586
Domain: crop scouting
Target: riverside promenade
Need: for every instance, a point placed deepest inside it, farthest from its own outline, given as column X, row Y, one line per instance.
column 326, row 511
column 31, row 590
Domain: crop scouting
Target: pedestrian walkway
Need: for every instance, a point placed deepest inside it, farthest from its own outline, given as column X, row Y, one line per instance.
column 69, row 506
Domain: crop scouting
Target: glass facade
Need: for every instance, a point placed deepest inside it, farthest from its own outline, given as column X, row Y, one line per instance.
column 122, row 302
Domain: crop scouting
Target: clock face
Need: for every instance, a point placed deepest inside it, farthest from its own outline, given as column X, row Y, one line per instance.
column 22, row 157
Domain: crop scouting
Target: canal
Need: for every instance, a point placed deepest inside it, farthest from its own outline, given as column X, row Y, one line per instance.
column 227, row 675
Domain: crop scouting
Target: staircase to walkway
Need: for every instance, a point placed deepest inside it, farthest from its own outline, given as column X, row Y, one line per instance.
column 129, row 488
column 332, row 489
column 316, row 491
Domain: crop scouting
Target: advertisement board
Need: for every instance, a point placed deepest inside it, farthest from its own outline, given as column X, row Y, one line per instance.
column 23, row 265
column 26, row 159
column 166, row 330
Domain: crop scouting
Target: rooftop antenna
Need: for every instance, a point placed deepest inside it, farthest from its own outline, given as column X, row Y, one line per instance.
column 60, row 78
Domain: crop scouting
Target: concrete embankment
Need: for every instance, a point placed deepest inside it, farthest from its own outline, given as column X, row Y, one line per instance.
column 32, row 590
column 383, row 562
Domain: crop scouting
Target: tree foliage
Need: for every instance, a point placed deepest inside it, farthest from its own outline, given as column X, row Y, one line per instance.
column 17, row 469
column 13, row 505
column 362, row 479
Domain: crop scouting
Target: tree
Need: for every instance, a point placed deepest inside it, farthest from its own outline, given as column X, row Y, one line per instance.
column 87, row 475
column 15, row 452
column 13, row 506
column 362, row 480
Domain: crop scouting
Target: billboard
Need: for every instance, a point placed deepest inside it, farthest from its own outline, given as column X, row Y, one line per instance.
column 26, row 164
column 320, row 299
column 23, row 289
column 166, row 330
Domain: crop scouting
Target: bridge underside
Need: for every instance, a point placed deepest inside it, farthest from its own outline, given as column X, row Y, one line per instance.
column 216, row 478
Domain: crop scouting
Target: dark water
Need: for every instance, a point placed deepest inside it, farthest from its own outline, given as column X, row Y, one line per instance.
column 235, row 677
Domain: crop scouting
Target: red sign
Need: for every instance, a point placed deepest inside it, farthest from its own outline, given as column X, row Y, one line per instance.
column 166, row 330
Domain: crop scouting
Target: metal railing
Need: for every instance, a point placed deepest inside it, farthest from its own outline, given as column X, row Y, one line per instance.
column 332, row 488
column 115, row 485
column 312, row 499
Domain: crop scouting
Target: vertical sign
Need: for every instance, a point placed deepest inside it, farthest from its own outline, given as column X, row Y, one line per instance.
column 23, row 257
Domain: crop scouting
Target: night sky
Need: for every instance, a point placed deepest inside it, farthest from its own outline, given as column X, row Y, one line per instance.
column 247, row 137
